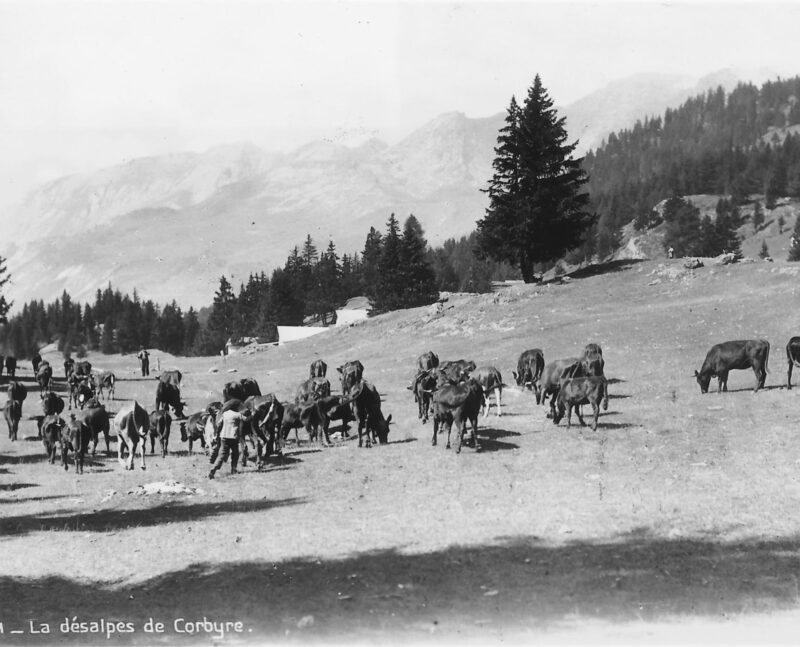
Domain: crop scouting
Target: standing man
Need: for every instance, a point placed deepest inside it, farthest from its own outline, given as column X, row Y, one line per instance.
column 230, row 431
column 144, row 359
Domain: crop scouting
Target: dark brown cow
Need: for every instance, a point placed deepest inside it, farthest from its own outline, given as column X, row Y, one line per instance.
column 458, row 404
column 266, row 416
column 69, row 367
column 352, row 373
column 17, row 391
column 313, row 388
column 51, row 437
column 592, row 360
column 52, row 404
column 490, row 380
column 160, row 422
column 36, row 361
column 12, row 412
column 169, row 395
column 530, row 367
column 96, row 418
column 552, row 377
column 458, row 370
column 250, row 387
column 132, row 424
column 75, row 437
column 44, row 376
column 336, row 407
column 80, row 390
column 427, row 361
column 367, row 404
column 424, row 388
column 582, row 390
column 11, row 366
column 194, row 428
column 306, row 414
column 83, row 368
column 793, row 357
column 318, row 368
column 730, row 355
column 233, row 391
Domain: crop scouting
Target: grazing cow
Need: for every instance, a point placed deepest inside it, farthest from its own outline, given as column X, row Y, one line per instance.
column 305, row 414
column 160, row 422
column 424, row 388
column 194, row 428
column 75, row 437
column 132, row 424
column 169, row 395
column 458, row 404
column 36, row 361
column 80, row 390
column 12, row 412
column 456, row 371
column 83, row 368
column 11, row 366
column 793, row 357
column 592, row 360
column 425, row 365
column 368, row 413
column 551, row 378
column 351, row 372
column 530, row 367
column 44, row 376
column 96, row 418
column 51, row 437
column 336, row 407
column 490, row 380
column 266, row 415
column 173, row 376
column 52, row 404
column 313, row 388
column 582, row 390
column 108, row 381
column 69, row 368
column 730, row 355
column 318, row 369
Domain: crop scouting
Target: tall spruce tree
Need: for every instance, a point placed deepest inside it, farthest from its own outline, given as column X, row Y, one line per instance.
column 4, row 278
column 388, row 293
column 536, row 210
column 417, row 278
column 221, row 319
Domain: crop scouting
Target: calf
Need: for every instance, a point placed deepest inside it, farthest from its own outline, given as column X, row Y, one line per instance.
column 266, row 415
column 106, row 381
column 730, row 355
column 369, row 417
column 51, row 437
column 458, row 404
column 313, row 388
column 12, row 412
column 160, row 422
column 96, row 418
column 335, row 407
column 530, row 367
column 582, row 390
column 490, row 381
column 75, row 437
column 305, row 414
column 318, row 368
column 194, row 429
column 793, row 357
column 551, row 378
column 351, row 373
column 44, row 376
column 132, row 424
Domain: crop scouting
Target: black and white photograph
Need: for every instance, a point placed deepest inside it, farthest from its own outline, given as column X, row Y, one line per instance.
column 393, row 322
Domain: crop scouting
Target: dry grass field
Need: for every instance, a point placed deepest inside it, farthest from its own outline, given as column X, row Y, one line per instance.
column 676, row 520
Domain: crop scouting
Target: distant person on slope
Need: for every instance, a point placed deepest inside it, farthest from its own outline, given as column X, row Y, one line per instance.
column 144, row 360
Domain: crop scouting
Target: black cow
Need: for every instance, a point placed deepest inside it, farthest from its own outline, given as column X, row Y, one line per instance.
column 427, row 361
column 17, row 391
column 106, row 381
column 75, row 437
column 582, row 390
column 313, row 388
column 592, row 360
column 36, row 361
column 318, row 368
column 69, row 368
column 83, row 368
column 458, row 404
column 336, row 407
column 266, row 416
column 97, row 419
column 81, row 389
column 51, row 437
column 233, row 391
column 169, row 395
column 160, row 422
column 424, row 388
column 44, row 376
column 455, row 371
column 52, row 404
column 530, row 367
column 173, row 376
column 194, row 428
column 12, row 412
column 552, row 378
column 250, row 387
column 11, row 366
column 351, row 373
column 793, row 357
column 369, row 417
column 305, row 414
column 730, row 355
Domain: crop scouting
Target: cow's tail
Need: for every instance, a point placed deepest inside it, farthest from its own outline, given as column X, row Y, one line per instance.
column 766, row 358
column 605, row 394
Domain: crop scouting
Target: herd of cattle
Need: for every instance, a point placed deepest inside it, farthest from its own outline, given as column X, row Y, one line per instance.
column 449, row 392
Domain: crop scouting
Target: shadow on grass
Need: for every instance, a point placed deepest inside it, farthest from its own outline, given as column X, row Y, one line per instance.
column 25, row 459
column 36, row 498
column 604, row 268
column 8, row 487
column 490, row 432
column 116, row 519
column 517, row 587
column 615, row 380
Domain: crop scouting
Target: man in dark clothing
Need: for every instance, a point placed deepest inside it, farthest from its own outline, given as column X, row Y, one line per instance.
column 144, row 359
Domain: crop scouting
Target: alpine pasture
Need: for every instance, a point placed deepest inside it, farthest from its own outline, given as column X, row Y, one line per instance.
column 678, row 512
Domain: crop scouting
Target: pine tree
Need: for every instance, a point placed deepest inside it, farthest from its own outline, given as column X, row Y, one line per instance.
column 388, row 294
column 536, row 209
column 794, row 245
column 758, row 216
column 764, row 253
column 4, row 278
column 369, row 263
column 220, row 321
column 417, row 278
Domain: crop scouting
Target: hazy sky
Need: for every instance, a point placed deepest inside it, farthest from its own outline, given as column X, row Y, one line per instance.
column 90, row 84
